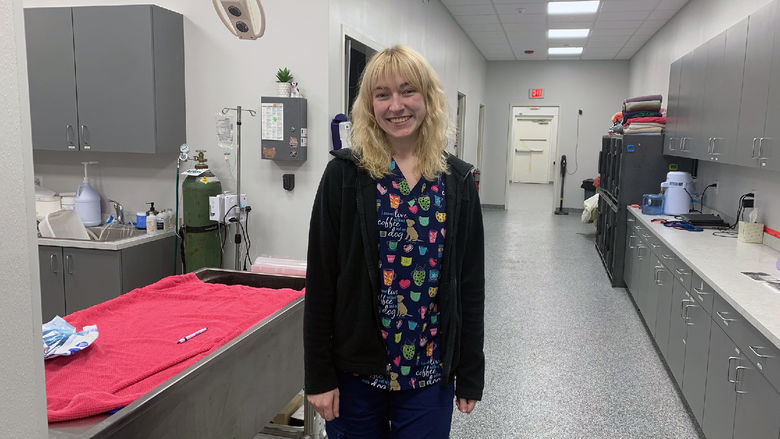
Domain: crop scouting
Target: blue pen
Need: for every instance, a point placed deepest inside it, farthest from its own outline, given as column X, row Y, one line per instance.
column 199, row 331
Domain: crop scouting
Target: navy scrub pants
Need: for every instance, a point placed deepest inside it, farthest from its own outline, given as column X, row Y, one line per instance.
column 369, row 413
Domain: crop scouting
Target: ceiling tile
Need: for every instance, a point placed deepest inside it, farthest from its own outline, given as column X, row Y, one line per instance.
column 629, row 5
column 604, row 24
column 662, row 14
column 618, row 14
column 486, row 9
column 468, row 28
column 602, row 32
column 464, row 2
column 527, row 8
column 526, row 27
column 477, row 19
column 672, row 4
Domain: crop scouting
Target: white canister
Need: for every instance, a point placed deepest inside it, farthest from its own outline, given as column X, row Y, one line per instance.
column 68, row 200
column 45, row 205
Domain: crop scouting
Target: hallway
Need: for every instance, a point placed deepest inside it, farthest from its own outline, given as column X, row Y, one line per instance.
column 567, row 355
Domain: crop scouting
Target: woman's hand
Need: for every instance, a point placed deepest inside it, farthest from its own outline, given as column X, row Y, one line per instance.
column 465, row 405
column 327, row 404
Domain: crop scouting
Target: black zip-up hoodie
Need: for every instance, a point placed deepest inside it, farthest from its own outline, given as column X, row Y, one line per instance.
column 341, row 318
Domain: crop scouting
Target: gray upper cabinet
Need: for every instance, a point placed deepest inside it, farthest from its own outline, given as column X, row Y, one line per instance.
column 689, row 117
column 722, row 88
column 755, row 87
column 126, row 78
column 771, row 145
column 672, row 140
column 52, row 78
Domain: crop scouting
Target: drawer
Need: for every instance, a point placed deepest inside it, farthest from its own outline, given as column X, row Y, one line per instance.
column 682, row 272
column 703, row 293
column 752, row 343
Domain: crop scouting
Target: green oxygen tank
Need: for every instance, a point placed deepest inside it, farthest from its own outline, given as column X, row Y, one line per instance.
column 202, row 242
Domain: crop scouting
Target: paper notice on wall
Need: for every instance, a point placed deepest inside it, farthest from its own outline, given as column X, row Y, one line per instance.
column 272, row 116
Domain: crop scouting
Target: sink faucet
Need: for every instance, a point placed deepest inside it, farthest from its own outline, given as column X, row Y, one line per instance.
column 120, row 211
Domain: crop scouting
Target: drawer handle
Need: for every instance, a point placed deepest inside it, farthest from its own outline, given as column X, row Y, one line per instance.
column 681, row 271
column 753, row 349
column 725, row 320
column 701, row 292
column 728, row 370
column 667, row 257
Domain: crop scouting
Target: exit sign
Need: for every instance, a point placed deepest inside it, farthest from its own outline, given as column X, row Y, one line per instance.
column 536, row 93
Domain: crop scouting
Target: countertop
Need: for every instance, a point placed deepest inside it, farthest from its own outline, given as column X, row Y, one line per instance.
column 720, row 263
column 105, row 245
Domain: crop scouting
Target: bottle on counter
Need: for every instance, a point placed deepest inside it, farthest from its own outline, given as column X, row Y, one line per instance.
column 140, row 220
column 151, row 219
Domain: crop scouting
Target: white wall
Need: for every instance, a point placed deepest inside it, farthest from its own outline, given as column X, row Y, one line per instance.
column 427, row 28
column 596, row 87
column 23, row 406
column 223, row 71
column 696, row 23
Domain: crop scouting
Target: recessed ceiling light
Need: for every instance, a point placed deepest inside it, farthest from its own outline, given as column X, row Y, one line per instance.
column 568, row 33
column 585, row 7
column 564, row 51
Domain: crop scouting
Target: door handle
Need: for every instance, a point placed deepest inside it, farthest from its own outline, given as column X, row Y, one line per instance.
column 737, row 380
column 728, row 370
column 753, row 155
column 69, row 264
column 69, row 136
column 53, row 263
column 85, row 137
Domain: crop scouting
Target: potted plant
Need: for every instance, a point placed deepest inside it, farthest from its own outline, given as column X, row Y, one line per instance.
column 283, row 79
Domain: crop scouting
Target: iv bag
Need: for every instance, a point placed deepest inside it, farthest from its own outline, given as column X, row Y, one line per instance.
column 226, row 128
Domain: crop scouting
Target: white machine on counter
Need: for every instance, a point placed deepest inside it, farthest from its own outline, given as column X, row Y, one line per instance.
column 677, row 196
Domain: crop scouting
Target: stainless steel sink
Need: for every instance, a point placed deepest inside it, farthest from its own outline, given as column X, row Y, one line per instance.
column 114, row 233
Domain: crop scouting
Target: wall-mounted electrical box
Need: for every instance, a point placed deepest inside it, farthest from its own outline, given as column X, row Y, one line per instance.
column 284, row 132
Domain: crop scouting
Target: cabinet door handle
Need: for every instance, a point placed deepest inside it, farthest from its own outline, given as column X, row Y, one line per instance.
column 53, row 263
column 761, row 148
column 753, row 155
column 709, row 145
column 737, row 380
column 753, row 349
column 728, row 370
column 715, row 144
column 85, row 137
column 69, row 136
column 685, row 310
column 657, row 277
column 682, row 308
column 69, row 264
column 671, row 144
column 725, row 320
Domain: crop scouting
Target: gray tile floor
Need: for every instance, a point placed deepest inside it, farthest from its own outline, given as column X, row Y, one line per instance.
column 567, row 355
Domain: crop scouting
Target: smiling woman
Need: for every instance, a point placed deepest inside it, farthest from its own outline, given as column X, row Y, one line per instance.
column 395, row 217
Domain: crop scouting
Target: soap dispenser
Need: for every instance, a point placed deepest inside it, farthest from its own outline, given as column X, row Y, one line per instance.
column 87, row 201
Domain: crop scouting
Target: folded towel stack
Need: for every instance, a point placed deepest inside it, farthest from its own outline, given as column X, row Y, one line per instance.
column 642, row 114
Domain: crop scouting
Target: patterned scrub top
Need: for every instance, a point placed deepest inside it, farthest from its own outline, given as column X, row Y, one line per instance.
column 411, row 225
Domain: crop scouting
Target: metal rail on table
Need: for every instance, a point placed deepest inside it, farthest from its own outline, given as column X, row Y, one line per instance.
column 231, row 393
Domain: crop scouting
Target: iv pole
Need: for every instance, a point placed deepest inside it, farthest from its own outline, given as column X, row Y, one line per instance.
column 237, row 238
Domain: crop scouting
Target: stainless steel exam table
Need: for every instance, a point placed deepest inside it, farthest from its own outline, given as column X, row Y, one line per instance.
column 231, row 393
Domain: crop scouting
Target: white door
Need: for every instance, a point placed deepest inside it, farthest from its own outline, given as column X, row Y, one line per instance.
column 531, row 150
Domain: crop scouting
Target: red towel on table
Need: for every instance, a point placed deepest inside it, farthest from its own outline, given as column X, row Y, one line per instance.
column 137, row 348
column 661, row 120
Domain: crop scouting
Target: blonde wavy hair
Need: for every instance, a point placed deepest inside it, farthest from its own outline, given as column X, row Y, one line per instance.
column 370, row 142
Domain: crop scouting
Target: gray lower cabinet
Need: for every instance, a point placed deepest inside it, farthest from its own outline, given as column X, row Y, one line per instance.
column 697, row 348
column 73, row 279
column 52, row 282
column 675, row 356
column 726, row 370
column 720, row 398
column 106, row 78
column 758, row 404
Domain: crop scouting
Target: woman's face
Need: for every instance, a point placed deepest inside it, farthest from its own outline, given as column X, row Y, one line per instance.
column 399, row 108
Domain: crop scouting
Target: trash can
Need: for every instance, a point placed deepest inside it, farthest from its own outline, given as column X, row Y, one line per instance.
column 590, row 189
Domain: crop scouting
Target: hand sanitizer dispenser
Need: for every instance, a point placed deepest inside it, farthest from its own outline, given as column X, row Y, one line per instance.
column 87, row 201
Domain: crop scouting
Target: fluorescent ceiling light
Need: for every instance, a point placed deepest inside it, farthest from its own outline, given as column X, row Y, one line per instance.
column 586, row 7
column 568, row 33
column 564, row 51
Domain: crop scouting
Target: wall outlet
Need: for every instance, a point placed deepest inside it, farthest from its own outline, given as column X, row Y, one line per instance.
column 714, row 189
